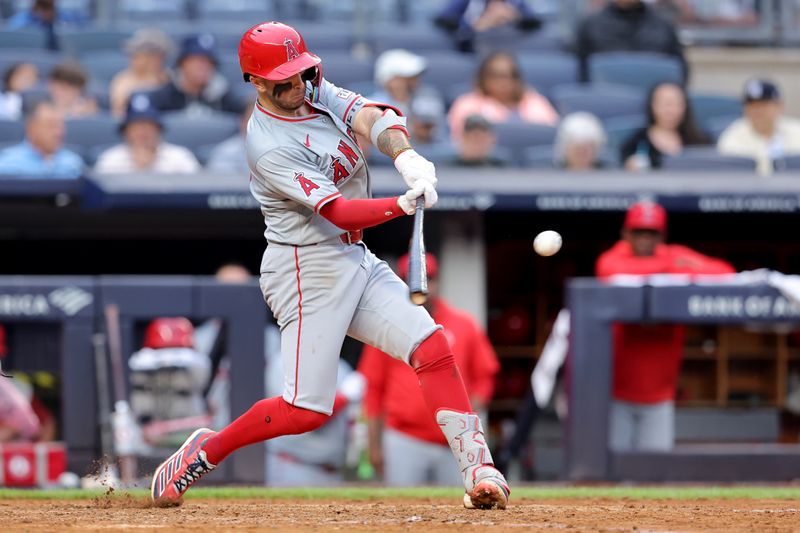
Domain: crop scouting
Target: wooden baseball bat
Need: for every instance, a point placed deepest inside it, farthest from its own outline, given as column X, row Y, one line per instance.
column 417, row 274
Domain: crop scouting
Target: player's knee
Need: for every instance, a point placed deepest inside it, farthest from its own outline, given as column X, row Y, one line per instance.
column 434, row 353
column 304, row 420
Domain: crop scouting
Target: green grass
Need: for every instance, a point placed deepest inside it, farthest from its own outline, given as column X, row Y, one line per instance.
column 547, row 492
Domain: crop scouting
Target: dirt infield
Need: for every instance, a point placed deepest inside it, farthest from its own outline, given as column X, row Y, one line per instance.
column 395, row 514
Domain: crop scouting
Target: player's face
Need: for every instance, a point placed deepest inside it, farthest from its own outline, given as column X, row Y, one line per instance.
column 286, row 95
column 643, row 241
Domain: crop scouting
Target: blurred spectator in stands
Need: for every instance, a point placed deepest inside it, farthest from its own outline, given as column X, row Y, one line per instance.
column 45, row 15
column 41, row 154
column 229, row 155
column 147, row 51
column 196, row 86
column 143, row 150
column 66, row 85
column 763, row 134
column 626, row 25
column 405, row 443
column 500, row 95
column 426, row 126
column 397, row 74
column 477, row 145
column 466, row 19
column 17, row 79
column 579, row 141
column 670, row 127
column 647, row 358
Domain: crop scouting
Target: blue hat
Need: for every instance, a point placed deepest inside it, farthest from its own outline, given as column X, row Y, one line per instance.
column 198, row 45
column 756, row 90
column 140, row 107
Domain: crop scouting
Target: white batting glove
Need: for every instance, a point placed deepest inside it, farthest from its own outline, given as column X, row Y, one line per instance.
column 408, row 201
column 414, row 168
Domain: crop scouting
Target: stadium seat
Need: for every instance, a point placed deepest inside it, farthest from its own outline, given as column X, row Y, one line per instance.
column 196, row 132
column 549, row 37
column 790, row 163
column 152, row 10
column 446, row 68
column 228, row 66
column 636, row 69
column 620, row 129
column 519, row 136
column 710, row 106
column 544, row 157
column 103, row 65
column 246, row 11
column 33, row 39
column 11, row 131
column 92, row 131
column 418, row 38
column 707, row 158
column 80, row 42
column 43, row 59
column 344, row 70
column 604, row 100
column 321, row 38
column 715, row 126
column 547, row 69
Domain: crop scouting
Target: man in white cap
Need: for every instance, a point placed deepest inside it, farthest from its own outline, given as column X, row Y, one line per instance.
column 397, row 75
column 764, row 133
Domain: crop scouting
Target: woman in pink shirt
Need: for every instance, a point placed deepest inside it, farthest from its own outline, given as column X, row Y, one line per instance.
column 500, row 95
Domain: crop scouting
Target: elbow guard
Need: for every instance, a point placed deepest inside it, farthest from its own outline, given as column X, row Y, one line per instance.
column 388, row 121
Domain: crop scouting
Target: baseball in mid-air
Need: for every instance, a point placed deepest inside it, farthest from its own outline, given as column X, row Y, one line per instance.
column 547, row 243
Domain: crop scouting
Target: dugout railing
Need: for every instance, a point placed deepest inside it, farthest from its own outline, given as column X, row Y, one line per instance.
column 594, row 307
column 74, row 306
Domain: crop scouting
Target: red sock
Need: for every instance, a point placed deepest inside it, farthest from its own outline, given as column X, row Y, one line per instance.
column 267, row 419
column 438, row 374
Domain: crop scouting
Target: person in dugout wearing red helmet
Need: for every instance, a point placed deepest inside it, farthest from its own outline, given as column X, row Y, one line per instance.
column 405, row 444
column 647, row 358
column 305, row 151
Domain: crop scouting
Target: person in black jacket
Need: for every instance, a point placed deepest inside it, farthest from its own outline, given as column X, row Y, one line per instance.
column 196, row 87
column 626, row 26
column 670, row 128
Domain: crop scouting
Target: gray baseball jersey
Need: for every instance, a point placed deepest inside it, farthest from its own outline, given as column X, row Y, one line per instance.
column 319, row 288
column 299, row 164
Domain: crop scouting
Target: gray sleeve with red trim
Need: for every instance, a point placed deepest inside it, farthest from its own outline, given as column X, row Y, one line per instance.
column 288, row 173
column 346, row 104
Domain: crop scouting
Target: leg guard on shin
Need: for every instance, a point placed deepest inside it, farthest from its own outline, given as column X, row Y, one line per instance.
column 485, row 486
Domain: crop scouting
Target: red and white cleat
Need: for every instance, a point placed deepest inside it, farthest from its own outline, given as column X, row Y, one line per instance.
column 175, row 475
column 490, row 490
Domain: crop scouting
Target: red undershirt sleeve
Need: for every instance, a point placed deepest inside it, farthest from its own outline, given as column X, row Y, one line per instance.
column 352, row 215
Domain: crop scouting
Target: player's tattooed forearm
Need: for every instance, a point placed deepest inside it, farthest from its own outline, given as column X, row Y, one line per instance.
column 390, row 141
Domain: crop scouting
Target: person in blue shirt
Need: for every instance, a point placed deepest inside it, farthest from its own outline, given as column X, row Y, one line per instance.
column 41, row 154
column 45, row 15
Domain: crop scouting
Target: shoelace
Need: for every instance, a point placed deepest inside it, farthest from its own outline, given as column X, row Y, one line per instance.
column 193, row 472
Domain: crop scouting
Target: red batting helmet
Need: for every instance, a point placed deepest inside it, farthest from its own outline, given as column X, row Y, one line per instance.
column 175, row 332
column 275, row 51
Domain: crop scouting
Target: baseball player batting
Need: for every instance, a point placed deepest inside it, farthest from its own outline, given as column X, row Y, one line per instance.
column 319, row 279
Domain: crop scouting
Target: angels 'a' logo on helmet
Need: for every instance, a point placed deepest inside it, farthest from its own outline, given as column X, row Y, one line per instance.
column 291, row 51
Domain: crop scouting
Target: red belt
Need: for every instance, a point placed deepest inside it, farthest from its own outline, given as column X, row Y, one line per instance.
column 351, row 237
